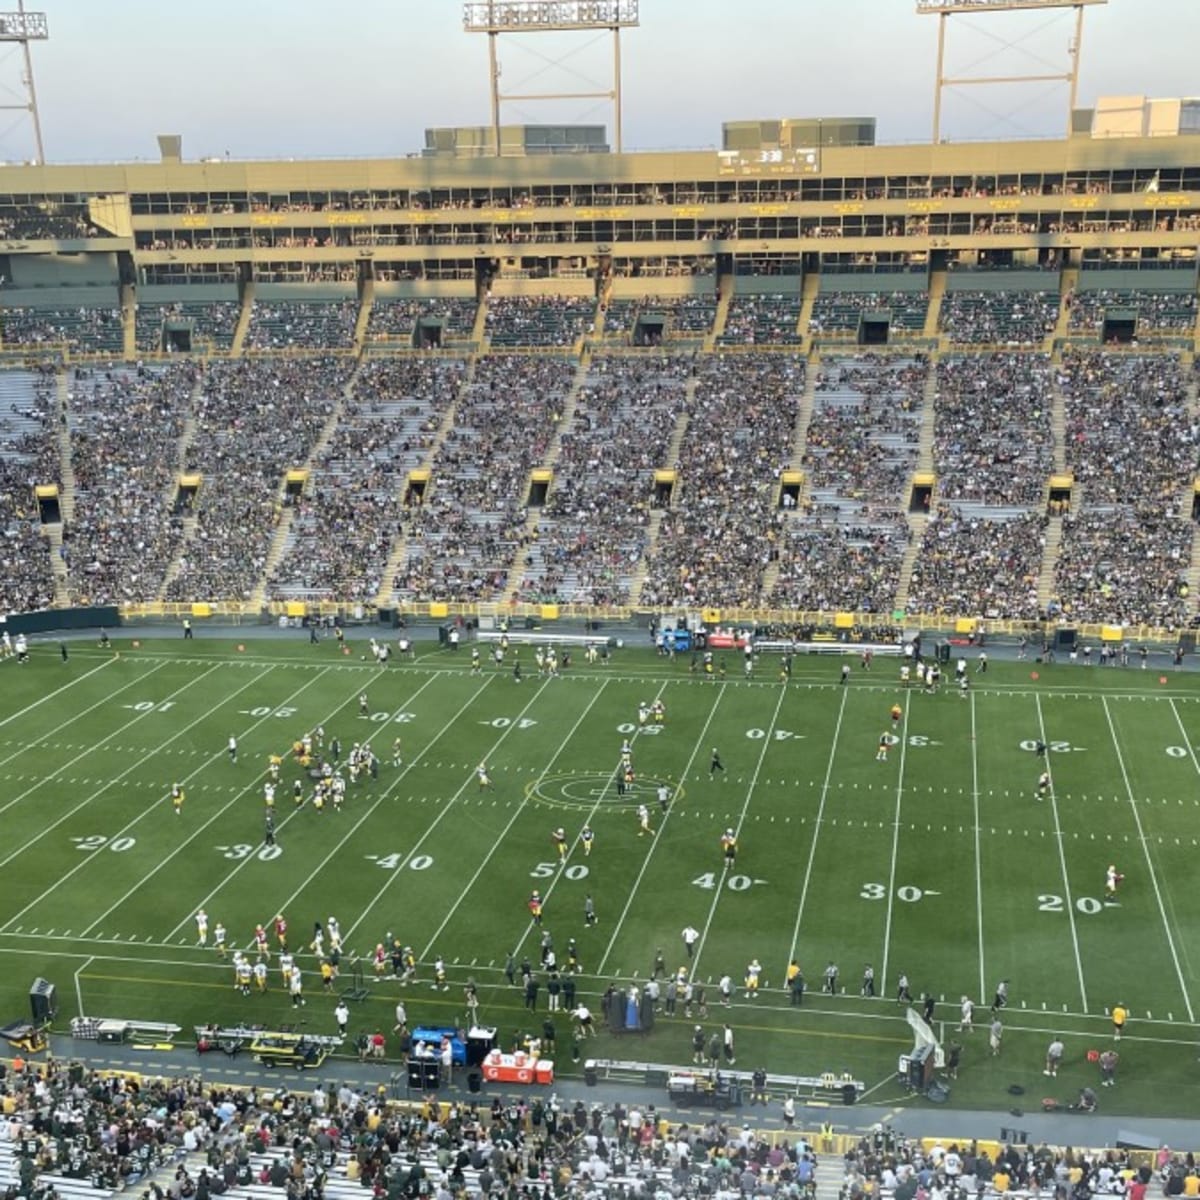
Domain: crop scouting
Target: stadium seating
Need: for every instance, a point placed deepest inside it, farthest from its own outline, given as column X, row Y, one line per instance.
column 1157, row 312
column 238, row 449
column 1132, row 447
column 84, row 330
column 212, row 324
column 125, row 428
column 29, row 456
column 766, row 320
column 397, row 319
column 538, row 320
column 593, row 532
column 993, row 437
column 841, row 312
column 715, row 545
column 351, row 513
column 292, row 324
column 461, row 543
column 999, row 318
column 688, row 317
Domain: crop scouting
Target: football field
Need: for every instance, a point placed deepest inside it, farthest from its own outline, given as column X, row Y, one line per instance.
column 941, row 863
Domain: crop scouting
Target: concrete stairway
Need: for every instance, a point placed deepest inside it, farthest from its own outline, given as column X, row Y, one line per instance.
column 804, row 414
column 128, row 323
column 721, row 317
column 937, row 292
column 808, row 299
column 1054, row 533
column 364, row 315
column 66, row 467
column 1068, row 280
column 674, row 447
column 58, row 566
column 480, row 326
column 928, row 421
column 186, row 437
column 917, row 524
column 287, row 512
column 243, row 322
column 1058, row 422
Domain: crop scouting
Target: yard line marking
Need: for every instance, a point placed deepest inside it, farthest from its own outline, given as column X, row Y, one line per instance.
column 812, row 849
column 116, row 779
column 529, row 925
column 238, row 794
column 108, row 662
column 1062, row 853
column 520, row 808
column 445, row 808
column 44, row 779
column 87, row 751
column 295, row 812
column 891, row 895
column 737, row 830
column 654, row 845
column 1137, row 817
column 978, row 858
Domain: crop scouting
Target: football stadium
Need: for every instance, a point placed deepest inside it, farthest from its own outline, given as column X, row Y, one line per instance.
column 539, row 669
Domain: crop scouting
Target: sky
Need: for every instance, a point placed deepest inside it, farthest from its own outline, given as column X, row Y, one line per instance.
column 298, row 78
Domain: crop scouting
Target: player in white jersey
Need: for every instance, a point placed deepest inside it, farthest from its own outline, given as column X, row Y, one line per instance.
column 219, row 939
column 232, row 748
column 287, row 964
column 335, row 933
column 481, row 773
column 643, row 815
column 202, row 928
column 643, row 713
column 260, row 976
column 269, row 794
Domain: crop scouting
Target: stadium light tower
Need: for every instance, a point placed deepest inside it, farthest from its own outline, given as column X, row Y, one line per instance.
column 945, row 9
column 495, row 17
column 21, row 28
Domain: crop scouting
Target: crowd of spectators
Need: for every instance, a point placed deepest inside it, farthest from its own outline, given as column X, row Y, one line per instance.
column 350, row 513
column 762, row 320
column 29, row 457
column 33, row 222
column 1131, row 443
column 841, row 312
column 214, row 323
column 393, row 319
column 691, row 315
column 715, row 545
column 185, row 1139
column 865, row 429
column 87, row 330
column 292, row 324
column 593, row 531
column 125, row 428
column 999, row 318
column 255, row 419
column 993, row 428
column 1162, row 312
column 824, row 565
column 462, row 541
column 887, row 1165
column 970, row 565
column 539, row 320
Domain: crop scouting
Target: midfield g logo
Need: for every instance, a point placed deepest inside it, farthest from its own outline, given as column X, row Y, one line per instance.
column 588, row 790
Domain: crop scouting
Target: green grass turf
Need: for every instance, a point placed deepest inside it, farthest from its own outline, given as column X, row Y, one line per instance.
column 939, row 863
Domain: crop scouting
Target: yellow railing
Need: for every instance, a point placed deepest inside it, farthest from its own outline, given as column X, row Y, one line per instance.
column 936, row 622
